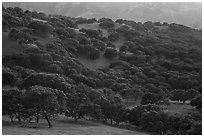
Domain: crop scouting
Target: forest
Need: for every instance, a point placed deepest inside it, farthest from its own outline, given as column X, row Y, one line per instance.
column 117, row 72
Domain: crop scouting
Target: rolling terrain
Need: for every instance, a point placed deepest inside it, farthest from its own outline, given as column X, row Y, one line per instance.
column 138, row 78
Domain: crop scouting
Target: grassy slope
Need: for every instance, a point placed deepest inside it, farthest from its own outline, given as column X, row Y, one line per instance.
column 64, row 126
column 9, row 46
column 180, row 109
column 101, row 62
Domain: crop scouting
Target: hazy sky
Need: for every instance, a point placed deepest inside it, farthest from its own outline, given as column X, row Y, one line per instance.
column 183, row 13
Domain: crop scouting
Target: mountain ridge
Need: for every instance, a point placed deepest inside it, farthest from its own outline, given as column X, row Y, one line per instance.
column 182, row 13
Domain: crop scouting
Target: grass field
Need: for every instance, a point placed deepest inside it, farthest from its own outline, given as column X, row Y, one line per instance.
column 64, row 126
column 101, row 62
column 180, row 109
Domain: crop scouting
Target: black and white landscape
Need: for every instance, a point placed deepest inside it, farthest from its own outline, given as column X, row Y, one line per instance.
column 102, row 68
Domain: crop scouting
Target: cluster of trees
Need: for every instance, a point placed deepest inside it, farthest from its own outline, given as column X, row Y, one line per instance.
column 23, row 37
column 155, row 120
column 43, row 102
column 92, row 33
column 160, row 65
column 89, row 51
column 110, row 53
column 85, row 20
column 106, row 23
column 36, row 102
column 40, row 27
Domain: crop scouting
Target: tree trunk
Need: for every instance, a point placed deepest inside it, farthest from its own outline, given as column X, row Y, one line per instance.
column 37, row 118
column 48, row 121
column 184, row 102
column 11, row 117
column 111, row 121
column 19, row 120
column 105, row 121
column 75, row 119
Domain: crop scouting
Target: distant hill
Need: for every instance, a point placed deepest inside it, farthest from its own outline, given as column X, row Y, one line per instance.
column 189, row 14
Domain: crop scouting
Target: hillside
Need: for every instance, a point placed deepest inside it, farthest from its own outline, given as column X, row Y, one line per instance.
column 64, row 126
column 121, row 72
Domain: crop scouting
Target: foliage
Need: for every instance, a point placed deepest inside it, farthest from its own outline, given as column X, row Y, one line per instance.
column 107, row 24
column 91, row 33
column 45, row 102
column 76, row 105
column 40, row 27
column 197, row 102
column 151, row 98
column 110, row 53
column 160, row 61
column 54, row 81
column 8, row 76
column 12, row 103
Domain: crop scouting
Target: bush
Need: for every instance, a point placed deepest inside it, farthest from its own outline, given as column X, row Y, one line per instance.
column 89, row 51
column 12, row 103
column 124, row 48
column 110, row 53
column 14, row 34
column 91, row 33
column 137, row 112
column 54, row 81
column 98, row 44
column 197, row 102
column 107, row 24
column 12, row 20
column 83, row 40
column 152, row 121
column 92, row 20
column 113, row 36
column 9, row 77
column 65, row 33
column 40, row 27
column 40, row 60
column 76, row 105
column 54, row 68
column 120, row 21
column 151, row 98
column 81, row 20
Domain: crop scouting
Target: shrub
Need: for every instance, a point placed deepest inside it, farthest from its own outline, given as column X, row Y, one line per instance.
column 89, row 51
column 98, row 44
column 91, row 33
column 12, row 103
column 197, row 102
column 76, row 105
column 8, row 76
column 92, row 20
column 65, row 33
column 40, row 27
column 107, row 24
column 54, row 68
column 12, row 20
column 110, row 53
column 83, row 40
column 54, row 81
column 113, row 36
column 14, row 34
column 124, row 48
